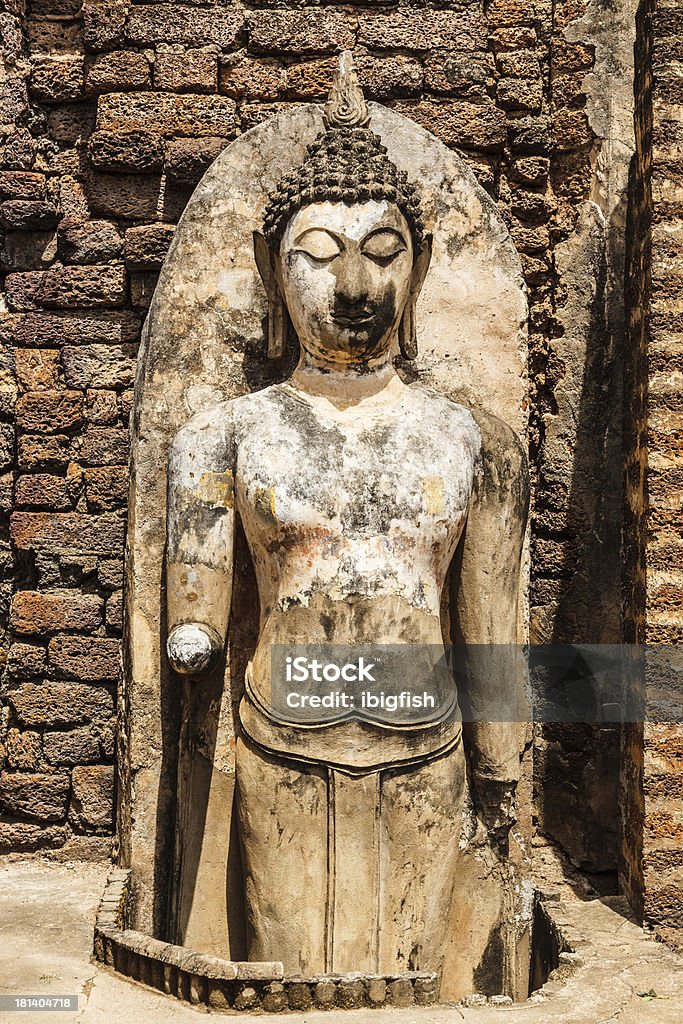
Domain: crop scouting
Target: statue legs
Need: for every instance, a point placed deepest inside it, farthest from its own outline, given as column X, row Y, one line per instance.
column 348, row 872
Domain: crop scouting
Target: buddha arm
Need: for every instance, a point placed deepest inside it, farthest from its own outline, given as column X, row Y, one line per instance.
column 485, row 602
column 199, row 553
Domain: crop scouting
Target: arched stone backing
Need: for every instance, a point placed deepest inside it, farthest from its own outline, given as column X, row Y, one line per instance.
column 204, row 341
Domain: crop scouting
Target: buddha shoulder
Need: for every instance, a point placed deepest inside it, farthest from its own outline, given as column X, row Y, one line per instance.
column 448, row 420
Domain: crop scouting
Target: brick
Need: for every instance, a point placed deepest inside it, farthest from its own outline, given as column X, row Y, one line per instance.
column 188, row 159
column 22, row 185
column 26, row 837
column 186, row 72
column 28, row 215
column 571, row 56
column 43, row 490
column 517, row 37
column 25, row 661
column 530, row 239
column 60, row 704
column 58, row 81
column 24, row 250
column 167, row 115
column 148, row 244
column 52, row 8
column 14, row 99
column 7, row 437
column 400, row 992
column 530, row 134
column 518, row 12
column 70, row 125
column 23, row 750
column 103, row 25
column 464, row 29
column 104, row 446
column 244, row 77
column 571, row 129
column 35, row 452
column 114, row 612
column 37, row 369
column 461, row 74
column 568, row 90
column 88, row 241
column 79, row 746
column 135, row 197
column 87, row 659
column 6, row 493
column 106, row 488
column 93, row 287
column 49, row 412
column 21, row 290
column 65, row 328
column 106, row 366
column 312, row 30
column 256, row 113
column 19, row 150
column 118, row 72
column 142, row 285
column 110, row 573
column 178, row 23
column 519, row 64
column 101, row 407
column 72, row 531
column 126, row 151
column 126, row 399
column 531, row 170
column 519, row 93
column 92, row 798
column 460, row 123
column 37, row 795
column 35, row 614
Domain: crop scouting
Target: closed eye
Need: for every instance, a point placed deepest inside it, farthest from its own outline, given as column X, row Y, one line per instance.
column 320, row 246
column 383, row 246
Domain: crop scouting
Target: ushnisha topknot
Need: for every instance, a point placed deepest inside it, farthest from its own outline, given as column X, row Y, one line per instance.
column 346, row 163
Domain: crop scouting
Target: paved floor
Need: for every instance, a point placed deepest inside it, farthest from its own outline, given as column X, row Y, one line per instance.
column 47, row 912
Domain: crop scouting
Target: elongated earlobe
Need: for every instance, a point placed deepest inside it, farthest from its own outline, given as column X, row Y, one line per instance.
column 278, row 318
column 277, row 326
column 407, row 332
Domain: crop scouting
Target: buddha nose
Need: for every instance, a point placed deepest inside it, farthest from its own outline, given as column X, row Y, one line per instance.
column 352, row 285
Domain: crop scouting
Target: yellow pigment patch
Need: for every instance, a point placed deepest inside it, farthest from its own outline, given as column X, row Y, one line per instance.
column 264, row 503
column 217, row 489
column 433, row 494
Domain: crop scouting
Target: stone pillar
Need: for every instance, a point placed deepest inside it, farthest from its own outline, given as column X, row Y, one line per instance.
column 651, row 848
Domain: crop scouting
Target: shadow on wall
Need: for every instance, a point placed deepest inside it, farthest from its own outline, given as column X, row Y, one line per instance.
column 577, row 765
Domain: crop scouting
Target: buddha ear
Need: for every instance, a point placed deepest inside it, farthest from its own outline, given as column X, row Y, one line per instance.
column 277, row 312
column 407, row 332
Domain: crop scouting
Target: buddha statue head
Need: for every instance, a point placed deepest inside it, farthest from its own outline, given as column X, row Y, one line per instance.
column 344, row 251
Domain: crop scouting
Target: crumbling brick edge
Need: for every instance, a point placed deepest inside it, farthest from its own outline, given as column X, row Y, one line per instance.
column 229, row 986
column 225, row 985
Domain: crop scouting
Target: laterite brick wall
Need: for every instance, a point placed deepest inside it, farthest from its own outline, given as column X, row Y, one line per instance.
column 112, row 113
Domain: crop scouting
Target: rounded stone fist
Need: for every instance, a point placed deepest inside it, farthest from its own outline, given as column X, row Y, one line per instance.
column 191, row 649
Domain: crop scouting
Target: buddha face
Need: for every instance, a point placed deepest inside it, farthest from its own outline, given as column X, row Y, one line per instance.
column 345, row 273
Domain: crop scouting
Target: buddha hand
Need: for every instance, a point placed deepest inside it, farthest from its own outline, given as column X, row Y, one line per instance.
column 192, row 649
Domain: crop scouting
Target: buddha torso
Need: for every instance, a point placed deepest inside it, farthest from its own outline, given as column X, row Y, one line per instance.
column 352, row 516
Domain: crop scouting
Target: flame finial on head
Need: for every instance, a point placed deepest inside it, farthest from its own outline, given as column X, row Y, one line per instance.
column 346, row 106
column 346, row 163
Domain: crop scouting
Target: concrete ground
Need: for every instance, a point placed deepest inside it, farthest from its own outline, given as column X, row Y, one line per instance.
column 47, row 914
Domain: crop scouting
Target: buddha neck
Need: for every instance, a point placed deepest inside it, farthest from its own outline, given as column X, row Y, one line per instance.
column 347, row 384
